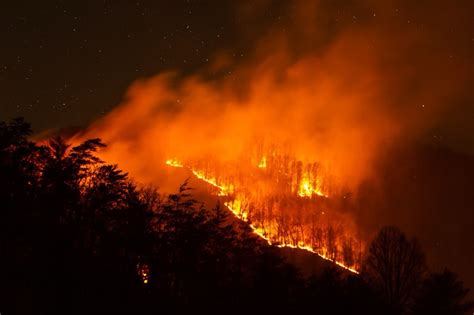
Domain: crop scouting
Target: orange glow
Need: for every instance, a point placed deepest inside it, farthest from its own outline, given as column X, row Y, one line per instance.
column 307, row 189
column 282, row 176
column 268, row 228
column 283, row 133
column 173, row 162
column 288, row 129
column 144, row 272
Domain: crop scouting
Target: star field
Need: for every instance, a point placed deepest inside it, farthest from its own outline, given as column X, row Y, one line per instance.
column 64, row 64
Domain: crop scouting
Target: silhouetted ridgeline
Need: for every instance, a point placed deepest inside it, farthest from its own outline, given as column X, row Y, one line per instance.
column 78, row 237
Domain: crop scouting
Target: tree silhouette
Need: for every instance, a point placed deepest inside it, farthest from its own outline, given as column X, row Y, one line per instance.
column 443, row 293
column 395, row 266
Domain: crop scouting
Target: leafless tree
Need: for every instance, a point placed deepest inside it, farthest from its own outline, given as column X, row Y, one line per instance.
column 395, row 266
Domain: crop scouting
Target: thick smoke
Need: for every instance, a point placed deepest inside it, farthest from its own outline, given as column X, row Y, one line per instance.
column 349, row 86
column 338, row 84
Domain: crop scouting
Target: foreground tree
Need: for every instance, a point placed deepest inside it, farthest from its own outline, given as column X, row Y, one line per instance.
column 443, row 294
column 395, row 267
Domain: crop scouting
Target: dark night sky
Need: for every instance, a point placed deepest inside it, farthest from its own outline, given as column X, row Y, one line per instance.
column 64, row 63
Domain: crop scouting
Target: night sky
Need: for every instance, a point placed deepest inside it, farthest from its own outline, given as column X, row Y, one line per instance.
column 64, row 63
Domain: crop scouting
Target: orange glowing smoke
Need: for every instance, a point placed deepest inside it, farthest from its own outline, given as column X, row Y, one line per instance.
column 294, row 125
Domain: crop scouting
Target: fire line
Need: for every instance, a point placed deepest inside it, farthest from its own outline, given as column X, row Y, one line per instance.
column 237, row 212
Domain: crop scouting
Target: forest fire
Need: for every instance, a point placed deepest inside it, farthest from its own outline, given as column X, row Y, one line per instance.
column 285, row 177
column 267, row 205
column 237, row 157
column 283, row 133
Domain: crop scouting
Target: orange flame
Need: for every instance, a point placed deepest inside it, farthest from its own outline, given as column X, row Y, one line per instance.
column 282, row 133
column 266, row 231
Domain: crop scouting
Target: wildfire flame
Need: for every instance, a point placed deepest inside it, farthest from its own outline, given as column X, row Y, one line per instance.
column 268, row 232
column 144, row 272
column 319, row 90
column 263, row 163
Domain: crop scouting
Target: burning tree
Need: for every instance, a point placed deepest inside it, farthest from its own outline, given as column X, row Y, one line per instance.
column 285, row 200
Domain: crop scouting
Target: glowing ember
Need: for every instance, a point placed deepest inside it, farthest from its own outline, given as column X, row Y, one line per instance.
column 173, row 162
column 144, row 272
column 306, row 189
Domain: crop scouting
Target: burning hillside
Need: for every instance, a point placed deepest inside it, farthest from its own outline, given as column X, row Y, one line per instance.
column 285, row 202
column 289, row 130
column 237, row 157
column 278, row 151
